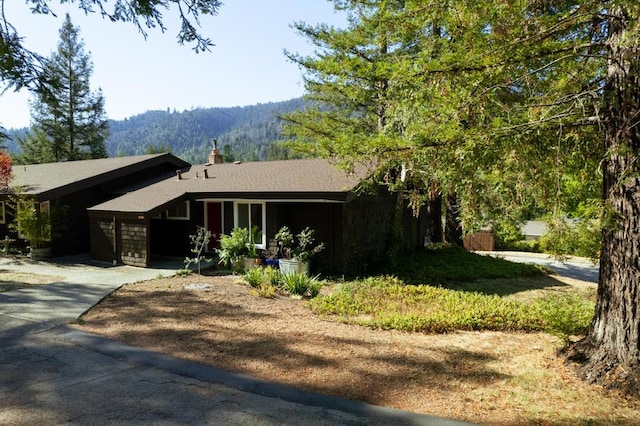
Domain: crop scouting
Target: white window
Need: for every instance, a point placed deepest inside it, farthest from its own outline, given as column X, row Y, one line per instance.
column 250, row 215
column 3, row 218
column 179, row 211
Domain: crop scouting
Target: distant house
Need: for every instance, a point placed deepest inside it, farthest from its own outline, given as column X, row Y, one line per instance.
column 79, row 185
column 134, row 210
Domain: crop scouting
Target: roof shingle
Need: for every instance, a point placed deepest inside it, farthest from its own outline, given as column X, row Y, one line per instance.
column 66, row 177
column 288, row 178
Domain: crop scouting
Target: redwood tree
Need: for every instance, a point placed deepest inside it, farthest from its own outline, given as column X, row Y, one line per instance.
column 610, row 354
column 502, row 100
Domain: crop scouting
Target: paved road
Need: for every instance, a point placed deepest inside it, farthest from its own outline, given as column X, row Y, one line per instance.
column 51, row 374
column 574, row 267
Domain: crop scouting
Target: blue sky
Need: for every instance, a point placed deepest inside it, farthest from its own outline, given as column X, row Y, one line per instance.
column 245, row 67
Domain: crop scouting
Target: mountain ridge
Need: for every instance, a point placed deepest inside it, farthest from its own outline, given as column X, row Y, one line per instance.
column 250, row 132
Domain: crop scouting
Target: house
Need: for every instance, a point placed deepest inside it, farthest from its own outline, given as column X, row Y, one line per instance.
column 79, row 185
column 134, row 210
column 155, row 220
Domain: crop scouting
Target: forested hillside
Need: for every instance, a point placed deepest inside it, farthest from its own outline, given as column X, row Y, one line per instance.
column 250, row 132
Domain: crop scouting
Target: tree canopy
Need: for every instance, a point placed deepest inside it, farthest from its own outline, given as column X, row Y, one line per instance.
column 515, row 105
column 68, row 119
column 22, row 68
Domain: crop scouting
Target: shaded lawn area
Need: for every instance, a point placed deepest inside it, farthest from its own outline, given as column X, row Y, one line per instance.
column 451, row 266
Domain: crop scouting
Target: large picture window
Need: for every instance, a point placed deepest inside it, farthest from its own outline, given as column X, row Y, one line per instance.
column 249, row 215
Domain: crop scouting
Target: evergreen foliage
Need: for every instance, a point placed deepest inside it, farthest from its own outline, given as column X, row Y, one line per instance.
column 68, row 119
column 21, row 67
column 244, row 133
column 516, row 105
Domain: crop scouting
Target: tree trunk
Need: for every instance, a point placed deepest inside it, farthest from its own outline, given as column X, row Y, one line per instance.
column 434, row 218
column 610, row 353
column 452, row 225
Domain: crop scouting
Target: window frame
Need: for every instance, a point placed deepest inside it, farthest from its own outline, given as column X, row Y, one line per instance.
column 3, row 213
column 187, row 215
column 263, row 226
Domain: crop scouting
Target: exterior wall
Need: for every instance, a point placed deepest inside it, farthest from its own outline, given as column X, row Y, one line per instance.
column 124, row 240
column 367, row 232
column 367, row 225
column 324, row 218
column 102, row 239
column 170, row 237
column 133, row 243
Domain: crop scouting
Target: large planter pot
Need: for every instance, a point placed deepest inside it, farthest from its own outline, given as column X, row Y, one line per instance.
column 292, row 266
column 251, row 262
column 41, row 253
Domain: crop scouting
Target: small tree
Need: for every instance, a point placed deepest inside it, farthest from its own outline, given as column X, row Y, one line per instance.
column 5, row 171
column 199, row 243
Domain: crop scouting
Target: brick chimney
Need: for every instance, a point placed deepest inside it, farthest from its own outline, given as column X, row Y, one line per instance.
column 215, row 157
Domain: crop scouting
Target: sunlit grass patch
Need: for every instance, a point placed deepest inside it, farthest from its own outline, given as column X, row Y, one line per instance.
column 388, row 303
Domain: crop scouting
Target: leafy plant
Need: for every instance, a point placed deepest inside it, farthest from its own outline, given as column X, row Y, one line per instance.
column 33, row 224
column 234, row 246
column 254, row 277
column 264, row 290
column 271, row 275
column 302, row 247
column 38, row 223
column 306, row 247
column 284, row 239
column 301, row 284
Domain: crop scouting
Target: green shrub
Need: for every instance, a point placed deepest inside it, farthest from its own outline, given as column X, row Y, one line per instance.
column 264, row 290
column 254, row 277
column 386, row 302
column 563, row 238
column 301, row 284
column 564, row 314
column 272, row 276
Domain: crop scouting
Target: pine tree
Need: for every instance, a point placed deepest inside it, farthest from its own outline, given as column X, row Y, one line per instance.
column 68, row 119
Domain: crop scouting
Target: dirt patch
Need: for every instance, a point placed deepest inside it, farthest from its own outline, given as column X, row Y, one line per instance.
column 488, row 377
column 10, row 280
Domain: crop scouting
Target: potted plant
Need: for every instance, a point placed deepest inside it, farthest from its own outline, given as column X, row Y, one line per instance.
column 238, row 249
column 253, row 257
column 34, row 225
column 295, row 258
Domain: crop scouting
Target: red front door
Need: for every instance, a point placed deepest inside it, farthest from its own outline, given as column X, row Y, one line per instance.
column 214, row 223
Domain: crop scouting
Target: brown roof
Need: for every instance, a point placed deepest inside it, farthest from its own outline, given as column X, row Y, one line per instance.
column 53, row 180
column 287, row 179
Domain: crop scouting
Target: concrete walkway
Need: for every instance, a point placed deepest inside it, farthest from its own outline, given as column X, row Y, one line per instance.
column 52, row 374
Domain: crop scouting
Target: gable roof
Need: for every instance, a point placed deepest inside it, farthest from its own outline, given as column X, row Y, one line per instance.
column 53, row 180
column 286, row 179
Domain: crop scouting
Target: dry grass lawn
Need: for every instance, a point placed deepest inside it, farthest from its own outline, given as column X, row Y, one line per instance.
column 10, row 280
column 484, row 377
